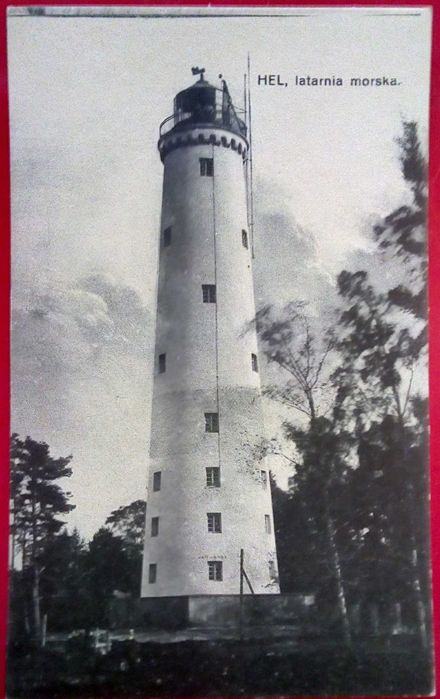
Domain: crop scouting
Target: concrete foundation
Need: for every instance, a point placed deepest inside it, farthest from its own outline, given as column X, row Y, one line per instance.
column 210, row 611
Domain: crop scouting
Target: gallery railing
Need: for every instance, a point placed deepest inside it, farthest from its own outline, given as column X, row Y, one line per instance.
column 215, row 116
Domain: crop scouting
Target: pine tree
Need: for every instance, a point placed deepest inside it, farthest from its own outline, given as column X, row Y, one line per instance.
column 37, row 501
column 322, row 448
column 128, row 523
column 379, row 360
column 64, row 594
column 403, row 231
column 110, row 565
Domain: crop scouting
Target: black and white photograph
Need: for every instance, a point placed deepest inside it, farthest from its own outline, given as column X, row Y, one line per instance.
column 219, row 431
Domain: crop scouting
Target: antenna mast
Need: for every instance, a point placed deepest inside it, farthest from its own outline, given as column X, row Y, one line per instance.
column 251, row 189
column 245, row 98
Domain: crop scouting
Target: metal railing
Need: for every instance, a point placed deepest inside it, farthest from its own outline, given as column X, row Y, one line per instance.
column 204, row 116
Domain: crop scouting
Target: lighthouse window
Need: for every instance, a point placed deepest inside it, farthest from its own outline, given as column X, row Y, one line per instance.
column 154, row 526
column 264, row 479
column 213, row 476
column 214, row 522
column 167, row 237
column 152, row 573
column 206, row 167
column 244, row 238
column 211, row 422
column 157, row 478
column 209, row 293
column 254, row 360
column 272, row 570
column 162, row 363
column 215, row 570
column 267, row 524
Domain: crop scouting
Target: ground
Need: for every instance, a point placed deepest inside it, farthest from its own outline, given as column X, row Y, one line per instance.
column 220, row 667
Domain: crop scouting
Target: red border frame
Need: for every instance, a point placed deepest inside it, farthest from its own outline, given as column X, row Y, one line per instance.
column 434, row 280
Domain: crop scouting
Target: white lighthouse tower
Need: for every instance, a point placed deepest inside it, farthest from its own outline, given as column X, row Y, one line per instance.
column 208, row 496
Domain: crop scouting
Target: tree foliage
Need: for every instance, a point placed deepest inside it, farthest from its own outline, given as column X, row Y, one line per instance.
column 37, row 503
column 403, row 231
column 128, row 523
column 38, row 499
column 288, row 341
column 55, row 574
column 110, row 567
column 358, row 491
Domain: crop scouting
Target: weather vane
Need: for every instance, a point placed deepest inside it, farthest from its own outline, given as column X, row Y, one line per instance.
column 198, row 71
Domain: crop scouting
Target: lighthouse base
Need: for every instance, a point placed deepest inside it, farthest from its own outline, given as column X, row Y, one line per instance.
column 209, row 611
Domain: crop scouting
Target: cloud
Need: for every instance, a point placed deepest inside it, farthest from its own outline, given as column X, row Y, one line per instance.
column 81, row 373
column 73, row 343
column 286, row 266
column 131, row 325
column 64, row 328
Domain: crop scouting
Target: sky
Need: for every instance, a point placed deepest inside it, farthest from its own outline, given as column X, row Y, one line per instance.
column 87, row 95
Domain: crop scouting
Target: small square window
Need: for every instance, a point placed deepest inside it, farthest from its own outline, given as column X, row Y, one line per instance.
column 244, row 238
column 162, row 363
column 211, row 422
column 206, row 167
column 213, row 476
column 209, row 293
column 272, row 570
column 254, row 362
column 214, row 522
column 167, row 237
column 154, row 526
column 215, row 570
column 152, row 573
column 267, row 524
column 263, row 479
column 157, row 478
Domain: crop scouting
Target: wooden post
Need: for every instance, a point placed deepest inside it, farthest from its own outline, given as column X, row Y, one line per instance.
column 374, row 619
column 44, row 631
column 241, row 593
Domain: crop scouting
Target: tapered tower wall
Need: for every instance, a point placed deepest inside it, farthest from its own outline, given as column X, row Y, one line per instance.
column 208, row 351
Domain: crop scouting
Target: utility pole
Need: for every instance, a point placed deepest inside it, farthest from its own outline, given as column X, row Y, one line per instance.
column 241, row 593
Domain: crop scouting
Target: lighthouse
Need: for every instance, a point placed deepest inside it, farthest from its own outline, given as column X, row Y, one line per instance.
column 209, row 521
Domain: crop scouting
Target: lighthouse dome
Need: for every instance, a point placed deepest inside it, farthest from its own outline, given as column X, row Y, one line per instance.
column 199, row 100
column 203, row 104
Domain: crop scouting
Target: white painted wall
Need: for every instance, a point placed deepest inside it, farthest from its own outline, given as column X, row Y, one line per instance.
column 208, row 369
